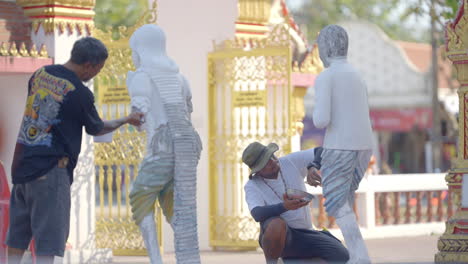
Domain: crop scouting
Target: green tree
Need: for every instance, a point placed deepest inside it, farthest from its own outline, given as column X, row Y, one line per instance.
column 316, row 14
column 115, row 13
column 438, row 12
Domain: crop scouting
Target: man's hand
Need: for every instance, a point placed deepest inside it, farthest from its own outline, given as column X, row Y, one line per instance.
column 313, row 177
column 293, row 204
column 135, row 118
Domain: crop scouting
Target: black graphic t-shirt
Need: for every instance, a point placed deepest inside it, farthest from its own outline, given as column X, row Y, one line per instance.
column 57, row 108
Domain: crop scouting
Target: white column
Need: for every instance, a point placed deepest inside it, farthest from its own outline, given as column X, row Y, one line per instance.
column 366, row 209
column 82, row 241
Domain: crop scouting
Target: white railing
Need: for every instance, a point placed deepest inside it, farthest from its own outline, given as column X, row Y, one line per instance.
column 395, row 205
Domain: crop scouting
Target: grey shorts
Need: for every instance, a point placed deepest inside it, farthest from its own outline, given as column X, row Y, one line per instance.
column 305, row 244
column 40, row 209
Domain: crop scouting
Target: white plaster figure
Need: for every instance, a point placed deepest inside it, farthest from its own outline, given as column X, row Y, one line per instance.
column 168, row 170
column 342, row 108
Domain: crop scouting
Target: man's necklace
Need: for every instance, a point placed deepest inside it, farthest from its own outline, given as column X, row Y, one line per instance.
column 284, row 183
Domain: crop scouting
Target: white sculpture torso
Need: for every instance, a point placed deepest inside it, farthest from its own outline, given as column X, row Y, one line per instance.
column 146, row 98
column 342, row 108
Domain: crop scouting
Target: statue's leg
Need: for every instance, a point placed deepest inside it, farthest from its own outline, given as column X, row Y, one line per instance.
column 342, row 172
column 142, row 200
column 150, row 236
column 346, row 220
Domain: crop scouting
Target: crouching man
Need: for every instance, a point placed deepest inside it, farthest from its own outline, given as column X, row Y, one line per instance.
column 285, row 224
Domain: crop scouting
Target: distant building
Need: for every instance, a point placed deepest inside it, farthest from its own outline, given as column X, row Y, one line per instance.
column 398, row 80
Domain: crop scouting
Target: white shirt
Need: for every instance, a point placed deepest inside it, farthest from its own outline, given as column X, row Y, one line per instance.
column 294, row 170
column 342, row 108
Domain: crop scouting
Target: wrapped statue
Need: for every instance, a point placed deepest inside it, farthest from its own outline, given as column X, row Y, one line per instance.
column 168, row 170
column 341, row 107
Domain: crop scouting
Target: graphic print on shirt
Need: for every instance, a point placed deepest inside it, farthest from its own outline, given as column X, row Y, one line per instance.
column 42, row 107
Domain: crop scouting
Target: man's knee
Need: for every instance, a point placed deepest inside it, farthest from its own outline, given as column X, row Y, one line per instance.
column 341, row 255
column 274, row 238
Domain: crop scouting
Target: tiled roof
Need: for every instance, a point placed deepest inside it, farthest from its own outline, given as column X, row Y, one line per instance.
column 14, row 25
column 420, row 55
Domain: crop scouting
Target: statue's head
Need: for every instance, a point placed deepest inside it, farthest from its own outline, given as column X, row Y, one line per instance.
column 332, row 42
column 148, row 44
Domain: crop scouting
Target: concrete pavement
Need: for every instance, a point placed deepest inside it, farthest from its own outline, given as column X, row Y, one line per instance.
column 420, row 249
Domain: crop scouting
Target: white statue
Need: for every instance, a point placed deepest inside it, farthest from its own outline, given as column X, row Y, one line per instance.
column 341, row 107
column 168, row 170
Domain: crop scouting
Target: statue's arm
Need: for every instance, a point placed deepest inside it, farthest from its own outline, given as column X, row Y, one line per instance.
column 322, row 107
column 140, row 92
column 139, row 88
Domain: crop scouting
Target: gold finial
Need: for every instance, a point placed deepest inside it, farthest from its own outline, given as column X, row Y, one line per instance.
column 4, row 49
column 13, row 50
column 43, row 52
column 35, row 26
column 23, row 51
column 62, row 26
column 153, row 15
column 80, row 27
column 34, row 52
column 295, row 66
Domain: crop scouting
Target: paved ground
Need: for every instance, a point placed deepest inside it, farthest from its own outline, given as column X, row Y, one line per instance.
column 390, row 250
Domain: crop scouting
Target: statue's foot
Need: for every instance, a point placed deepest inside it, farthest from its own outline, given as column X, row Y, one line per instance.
column 149, row 233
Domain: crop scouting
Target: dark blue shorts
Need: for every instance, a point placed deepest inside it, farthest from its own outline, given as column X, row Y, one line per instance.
column 41, row 210
column 305, row 244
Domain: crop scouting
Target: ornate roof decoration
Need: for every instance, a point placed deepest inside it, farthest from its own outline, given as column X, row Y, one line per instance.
column 10, row 49
column 310, row 64
column 60, row 15
column 260, row 20
column 455, row 32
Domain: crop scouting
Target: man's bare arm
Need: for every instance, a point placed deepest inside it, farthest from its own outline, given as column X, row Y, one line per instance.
column 133, row 119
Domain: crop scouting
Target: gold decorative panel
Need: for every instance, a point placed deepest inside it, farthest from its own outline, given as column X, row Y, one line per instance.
column 60, row 15
column 250, row 99
column 117, row 161
column 453, row 244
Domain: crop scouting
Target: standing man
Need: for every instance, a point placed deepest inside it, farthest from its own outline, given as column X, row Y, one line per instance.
column 285, row 224
column 341, row 107
column 58, row 106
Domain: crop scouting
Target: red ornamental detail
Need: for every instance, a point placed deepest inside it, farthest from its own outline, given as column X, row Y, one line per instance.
column 461, row 62
column 461, row 231
column 61, row 6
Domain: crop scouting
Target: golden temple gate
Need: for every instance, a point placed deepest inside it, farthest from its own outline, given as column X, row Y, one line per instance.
column 250, row 99
column 117, row 158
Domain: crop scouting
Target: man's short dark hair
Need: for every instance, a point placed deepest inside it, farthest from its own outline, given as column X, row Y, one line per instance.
column 90, row 50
